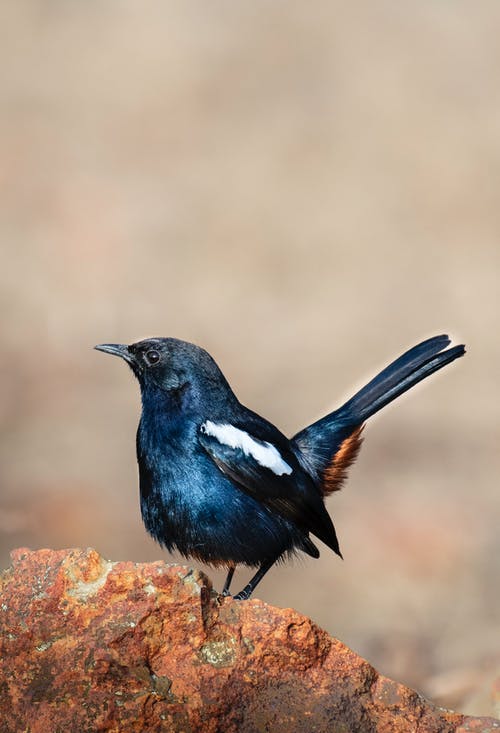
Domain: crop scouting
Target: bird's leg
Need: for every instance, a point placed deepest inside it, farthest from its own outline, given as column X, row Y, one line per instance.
column 227, row 584
column 250, row 587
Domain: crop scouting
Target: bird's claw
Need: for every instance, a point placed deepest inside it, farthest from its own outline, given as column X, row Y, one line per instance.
column 241, row 596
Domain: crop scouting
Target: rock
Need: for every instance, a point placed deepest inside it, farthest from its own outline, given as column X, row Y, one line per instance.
column 90, row 645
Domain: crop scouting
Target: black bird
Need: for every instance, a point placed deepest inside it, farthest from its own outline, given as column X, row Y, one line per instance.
column 222, row 484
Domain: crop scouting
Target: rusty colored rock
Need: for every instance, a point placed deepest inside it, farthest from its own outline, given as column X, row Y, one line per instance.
column 90, row 645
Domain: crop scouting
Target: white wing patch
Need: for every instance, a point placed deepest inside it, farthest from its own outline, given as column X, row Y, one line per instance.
column 264, row 453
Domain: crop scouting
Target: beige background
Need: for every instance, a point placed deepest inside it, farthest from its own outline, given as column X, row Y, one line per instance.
column 305, row 189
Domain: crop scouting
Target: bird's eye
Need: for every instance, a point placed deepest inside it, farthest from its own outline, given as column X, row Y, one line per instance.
column 152, row 357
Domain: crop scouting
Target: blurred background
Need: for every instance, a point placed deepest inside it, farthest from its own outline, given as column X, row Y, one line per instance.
column 306, row 190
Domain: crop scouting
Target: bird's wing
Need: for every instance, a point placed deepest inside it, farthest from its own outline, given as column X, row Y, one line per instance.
column 269, row 474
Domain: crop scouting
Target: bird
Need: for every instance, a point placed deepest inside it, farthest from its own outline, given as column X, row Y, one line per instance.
column 223, row 485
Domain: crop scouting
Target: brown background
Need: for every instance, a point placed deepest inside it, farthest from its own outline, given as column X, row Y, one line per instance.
column 305, row 189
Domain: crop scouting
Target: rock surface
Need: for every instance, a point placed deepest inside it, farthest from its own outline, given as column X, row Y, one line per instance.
column 89, row 645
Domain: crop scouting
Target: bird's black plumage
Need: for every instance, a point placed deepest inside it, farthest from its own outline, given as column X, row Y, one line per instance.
column 222, row 484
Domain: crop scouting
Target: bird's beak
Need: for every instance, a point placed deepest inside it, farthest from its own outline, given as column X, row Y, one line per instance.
column 117, row 350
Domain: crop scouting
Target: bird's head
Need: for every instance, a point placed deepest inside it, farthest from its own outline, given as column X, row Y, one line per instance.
column 171, row 365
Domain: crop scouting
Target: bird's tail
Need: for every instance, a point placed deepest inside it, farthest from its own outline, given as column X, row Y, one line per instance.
column 330, row 445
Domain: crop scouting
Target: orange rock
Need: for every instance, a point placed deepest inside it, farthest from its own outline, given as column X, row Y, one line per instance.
column 90, row 645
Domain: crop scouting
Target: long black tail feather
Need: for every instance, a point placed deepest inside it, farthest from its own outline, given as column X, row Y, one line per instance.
column 400, row 376
column 319, row 442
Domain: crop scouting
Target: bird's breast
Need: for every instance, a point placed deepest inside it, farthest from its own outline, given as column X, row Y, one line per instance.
column 188, row 504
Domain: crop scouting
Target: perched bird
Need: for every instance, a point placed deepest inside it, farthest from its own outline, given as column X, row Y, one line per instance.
column 222, row 484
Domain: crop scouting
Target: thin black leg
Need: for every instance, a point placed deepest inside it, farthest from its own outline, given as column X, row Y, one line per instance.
column 249, row 589
column 227, row 584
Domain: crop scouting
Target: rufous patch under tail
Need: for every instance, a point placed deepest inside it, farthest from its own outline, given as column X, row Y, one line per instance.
column 336, row 472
